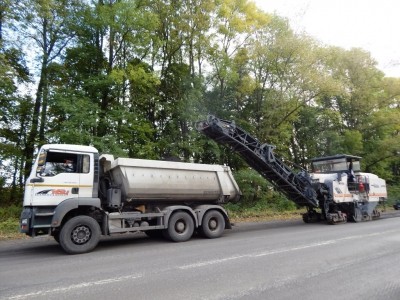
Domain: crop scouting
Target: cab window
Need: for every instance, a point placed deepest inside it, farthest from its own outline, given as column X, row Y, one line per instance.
column 57, row 163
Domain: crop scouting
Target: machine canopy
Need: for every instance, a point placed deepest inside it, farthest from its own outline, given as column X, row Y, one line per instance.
column 336, row 164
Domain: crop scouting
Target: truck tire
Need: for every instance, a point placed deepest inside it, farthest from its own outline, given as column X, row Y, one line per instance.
column 213, row 224
column 80, row 234
column 180, row 227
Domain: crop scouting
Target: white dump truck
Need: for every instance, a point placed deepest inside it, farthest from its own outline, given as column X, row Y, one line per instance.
column 76, row 195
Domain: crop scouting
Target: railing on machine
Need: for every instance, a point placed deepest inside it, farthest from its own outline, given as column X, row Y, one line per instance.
column 297, row 187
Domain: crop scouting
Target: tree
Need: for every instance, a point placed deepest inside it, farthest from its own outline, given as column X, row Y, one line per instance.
column 381, row 134
column 289, row 75
column 15, row 108
column 47, row 24
column 235, row 23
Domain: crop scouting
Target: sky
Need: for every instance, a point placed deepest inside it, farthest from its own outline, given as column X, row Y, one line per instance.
column 373, row 25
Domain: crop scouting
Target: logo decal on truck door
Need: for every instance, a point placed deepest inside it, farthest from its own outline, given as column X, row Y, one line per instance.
column 53, row 192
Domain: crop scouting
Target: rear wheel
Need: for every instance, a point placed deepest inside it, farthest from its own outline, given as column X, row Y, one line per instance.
column 180, row 227
column 79, row 235
column 213, row 224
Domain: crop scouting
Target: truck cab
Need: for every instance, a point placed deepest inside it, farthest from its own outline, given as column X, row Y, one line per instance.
column 60, row 174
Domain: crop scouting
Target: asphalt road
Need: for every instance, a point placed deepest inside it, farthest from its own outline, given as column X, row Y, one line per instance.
column 272, row 260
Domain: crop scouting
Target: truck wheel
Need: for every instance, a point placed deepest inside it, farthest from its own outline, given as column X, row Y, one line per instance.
column 213, row 224
column 79, row 235
column 180, row 227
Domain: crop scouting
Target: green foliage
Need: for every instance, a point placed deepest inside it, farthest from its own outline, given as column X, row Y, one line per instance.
column 9, row 221
column 10, row 194
column 258, row 194
column 9, row 226
column 393, row 194
column 10, row 212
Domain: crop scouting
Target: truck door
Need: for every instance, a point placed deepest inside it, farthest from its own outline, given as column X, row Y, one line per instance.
column 86, row 171
column 58, row 179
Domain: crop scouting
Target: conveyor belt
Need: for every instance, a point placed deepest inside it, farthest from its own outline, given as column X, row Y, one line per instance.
column 296, row 187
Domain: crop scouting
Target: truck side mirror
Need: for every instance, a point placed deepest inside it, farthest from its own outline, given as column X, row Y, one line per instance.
column 39, row 171
column 41, row 163
column 42, row 159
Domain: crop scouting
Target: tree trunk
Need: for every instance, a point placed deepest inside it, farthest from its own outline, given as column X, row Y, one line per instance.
column 43, row 117
column 30, row 143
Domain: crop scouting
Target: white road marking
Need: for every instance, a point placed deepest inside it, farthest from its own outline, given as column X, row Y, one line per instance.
column 278, row 251
column 212, row 262
column 76, row 286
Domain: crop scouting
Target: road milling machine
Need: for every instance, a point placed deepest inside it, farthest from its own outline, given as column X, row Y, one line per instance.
column 336, row 190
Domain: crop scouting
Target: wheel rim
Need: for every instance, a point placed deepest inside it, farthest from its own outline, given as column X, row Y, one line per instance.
column 81, row 234
column 180, row 226
column 213, row 224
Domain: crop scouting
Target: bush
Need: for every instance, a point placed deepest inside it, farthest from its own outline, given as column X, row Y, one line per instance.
column 10, row 196
column 10, row 212
column 9, row 225
column 258, row 194
column 9, row 222
column 393, row 194
column 253, row 186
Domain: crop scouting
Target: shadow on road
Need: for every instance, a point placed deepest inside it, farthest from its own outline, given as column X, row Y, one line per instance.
column 47, row 247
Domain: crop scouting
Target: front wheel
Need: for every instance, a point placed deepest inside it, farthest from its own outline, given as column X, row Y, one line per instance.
column 180, row 227
column 213, row 224
column 80, row 234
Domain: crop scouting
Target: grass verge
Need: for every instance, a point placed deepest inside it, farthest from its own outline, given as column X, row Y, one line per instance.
column 9, row 230
column 263, row 216
column 9, row 223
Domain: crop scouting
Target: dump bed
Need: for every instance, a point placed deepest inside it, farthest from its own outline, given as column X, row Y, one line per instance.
column 151, row 180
